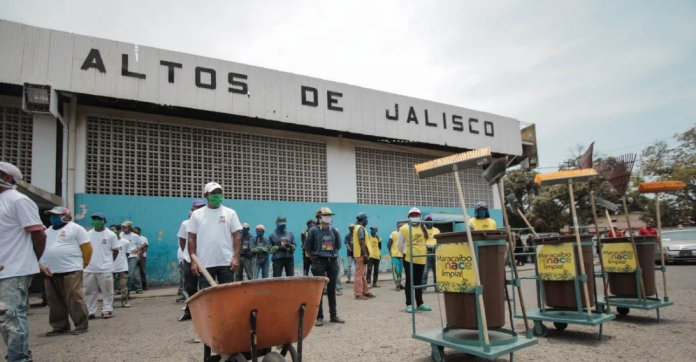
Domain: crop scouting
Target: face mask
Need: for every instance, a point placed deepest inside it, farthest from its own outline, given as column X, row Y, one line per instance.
column 245, row 231
column 114, row 231
column 414, row 218
column 326, row 219
column 281, row 228
column 215, row 199
column 373, row 232
column 98, row 224
column 56, row 220
column 364, row 223
column 429, row 225
column 259, row 234
column 481, row 213
column 7, row 185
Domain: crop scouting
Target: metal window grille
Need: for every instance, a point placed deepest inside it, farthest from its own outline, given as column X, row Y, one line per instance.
column 128, row 157
column 16, row 129
column 388, row 178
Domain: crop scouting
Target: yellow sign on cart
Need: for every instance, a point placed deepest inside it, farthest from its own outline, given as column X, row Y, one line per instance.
column 556, row 261
column 618, row 258
column 455, row 268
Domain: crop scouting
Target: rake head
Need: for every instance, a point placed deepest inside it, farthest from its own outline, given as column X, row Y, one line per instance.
column 495, row 171
column 617, row 171
column 586, row 159
column 606, row 204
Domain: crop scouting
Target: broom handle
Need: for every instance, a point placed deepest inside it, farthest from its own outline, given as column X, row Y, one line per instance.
column 512, row 257
column 659, row 240
column 579, row 247
column 611, row 226
column 469, row 239
column 203, row 270
column 635, row 250
column 531, row 228
column 599, row 247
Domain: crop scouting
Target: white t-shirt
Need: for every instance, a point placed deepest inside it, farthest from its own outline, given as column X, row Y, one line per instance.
column 213, row 229
column 135, row 242
column 146, row 242
column 63, row 253
column 103, row 243
column 183, row 255
column 16, row 249
column 121, row 262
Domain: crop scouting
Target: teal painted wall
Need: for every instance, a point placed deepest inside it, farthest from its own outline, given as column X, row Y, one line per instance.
column 160, row 217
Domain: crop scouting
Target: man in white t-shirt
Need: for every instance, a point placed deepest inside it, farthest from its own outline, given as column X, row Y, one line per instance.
column 190, row 280
column 98, row 276
column 68, row 252
column 22, row 242
column 214, row 237
column 121, row 266
column 142, row 257
column 136, row 246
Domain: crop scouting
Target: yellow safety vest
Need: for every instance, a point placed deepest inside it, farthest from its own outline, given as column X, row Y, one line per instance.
column 394, row 251
column 418, row 240
column 483, row 224
column 373, row 245
column 357, row 250
column 431, row 236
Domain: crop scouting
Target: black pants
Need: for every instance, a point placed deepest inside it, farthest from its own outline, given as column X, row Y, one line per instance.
column 418, row 277
column 373, row 270
column 327, row 267
column 222, row 274
column 307, row 264
column 190, row 283
column 287, row 263
column 143, row 276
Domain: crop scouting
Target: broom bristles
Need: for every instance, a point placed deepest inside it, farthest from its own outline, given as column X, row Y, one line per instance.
column 496, row 171
column 660, row 186
column 560, row 177
column 446, row 164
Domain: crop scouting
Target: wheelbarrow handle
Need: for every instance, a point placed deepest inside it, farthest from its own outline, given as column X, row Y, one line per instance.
column 203, row 270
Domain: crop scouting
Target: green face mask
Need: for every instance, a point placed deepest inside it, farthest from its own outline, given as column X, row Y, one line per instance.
column 97, row 224
column 215, row 199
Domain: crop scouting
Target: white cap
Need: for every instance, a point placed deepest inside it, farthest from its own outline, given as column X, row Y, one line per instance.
column 211, row 186
column 245, row 226
column 414, row 210
column 11, row 170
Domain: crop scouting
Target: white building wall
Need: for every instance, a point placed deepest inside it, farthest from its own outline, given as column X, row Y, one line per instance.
column 340, row 168
column 43, row 153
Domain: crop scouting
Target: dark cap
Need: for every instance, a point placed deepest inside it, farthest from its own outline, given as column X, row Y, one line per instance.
column 99, row 215
column 310, row 221
column 281, row 220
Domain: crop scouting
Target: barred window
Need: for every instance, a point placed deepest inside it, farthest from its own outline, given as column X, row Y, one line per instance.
column 388, row 178
column 128, row 157
column 16, row 129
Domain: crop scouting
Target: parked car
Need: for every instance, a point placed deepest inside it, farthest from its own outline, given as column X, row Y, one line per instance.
column 680, row 245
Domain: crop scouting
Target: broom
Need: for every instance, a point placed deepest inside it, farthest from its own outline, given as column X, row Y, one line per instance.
column 514, row 207
column 493, row 175
column 586, row 163
column 607, row 205
column 569, row 178
column 617, row 171
column 657, row 187
column 454, row 164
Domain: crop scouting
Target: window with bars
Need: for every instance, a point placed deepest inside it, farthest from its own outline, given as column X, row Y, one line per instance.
column 16, row 129
column 388, row 178
column 129, row 157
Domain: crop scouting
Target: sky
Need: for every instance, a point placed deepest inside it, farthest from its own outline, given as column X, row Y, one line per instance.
column 620, row 73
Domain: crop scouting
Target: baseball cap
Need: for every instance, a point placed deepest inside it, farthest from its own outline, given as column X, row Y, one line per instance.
column 260, row 226
column 351, row 226
column 481, row 204
column 310, row 221
column 198, row 203
column 127, row 223
column 361, row 215
column 99, row 215
column 245, row 225
column 211, row 186
column 414, row 210
column 58, row 210
column 11, row 170
column 281, row 220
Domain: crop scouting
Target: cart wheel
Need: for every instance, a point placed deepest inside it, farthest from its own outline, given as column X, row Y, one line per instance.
column 237, row 358
column 438, row 353
column 540, row 330
column 622, row 310
column 560, row 326
column 289, row 348
column 273, row 357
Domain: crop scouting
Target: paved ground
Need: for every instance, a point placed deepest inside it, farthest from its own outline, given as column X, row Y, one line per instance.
column 375, row 330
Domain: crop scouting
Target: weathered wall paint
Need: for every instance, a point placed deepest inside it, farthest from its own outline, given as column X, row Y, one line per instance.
column 160, row 217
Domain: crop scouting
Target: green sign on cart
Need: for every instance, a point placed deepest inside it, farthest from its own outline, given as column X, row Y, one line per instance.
column 455, row 268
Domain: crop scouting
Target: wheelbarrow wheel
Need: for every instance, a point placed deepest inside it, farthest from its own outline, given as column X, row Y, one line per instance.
column 273, row 357
column 560, row 326
column 437, row 353
column 237, row 358
column 540, row 330
column 622, row 310
column 289, row 349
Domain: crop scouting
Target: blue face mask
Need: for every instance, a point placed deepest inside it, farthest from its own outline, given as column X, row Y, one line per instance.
column 258, row 234
column 281, row 228
column 373, row 232
column 245, row 231
column 56, row 220
column 364, row 222
column 481, row 213
column 429, row 225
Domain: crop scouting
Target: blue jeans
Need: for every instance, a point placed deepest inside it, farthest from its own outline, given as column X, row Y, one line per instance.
column 429, row 264
column 134, row 282
column 13, row 325
column 262, row 267
column 349, row 267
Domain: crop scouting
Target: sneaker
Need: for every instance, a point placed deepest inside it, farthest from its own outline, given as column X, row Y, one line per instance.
column 185, row 317
column 79, row 331
column 409, row 309
column 374, row 285
column 91, row 316
column 138, row 292
column 370, row 295
column 336, row 319
column 360, row 297
column 348, row 281
column 107, row 315
column 424, row 308
column 180, row 300
column 319, row 322
column 57, row 332
column 125, row 305
column 338, row 292
column 197, row 340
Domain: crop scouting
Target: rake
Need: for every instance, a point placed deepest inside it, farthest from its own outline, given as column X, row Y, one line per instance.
column 617, row 171
column 569, row 178
column 586, row 163
column 493, row 175
column 607, row 205
column 454, row 164
column 515, row 207
column 655, row 188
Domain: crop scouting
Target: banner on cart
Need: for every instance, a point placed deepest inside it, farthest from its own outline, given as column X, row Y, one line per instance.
column 618, row 258
column 556, row 262
column 455, row 268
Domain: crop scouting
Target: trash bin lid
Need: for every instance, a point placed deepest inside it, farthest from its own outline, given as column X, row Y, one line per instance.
column 458, row 236
column 627, row 239
column 560, row 239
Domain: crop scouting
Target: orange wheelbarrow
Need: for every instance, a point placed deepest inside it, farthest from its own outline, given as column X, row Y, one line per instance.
column 243, row 321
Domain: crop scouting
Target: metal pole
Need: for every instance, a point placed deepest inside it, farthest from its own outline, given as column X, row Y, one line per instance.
column 635, row 250
column 662, row 249
column 579, row 247
column 599, row 246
